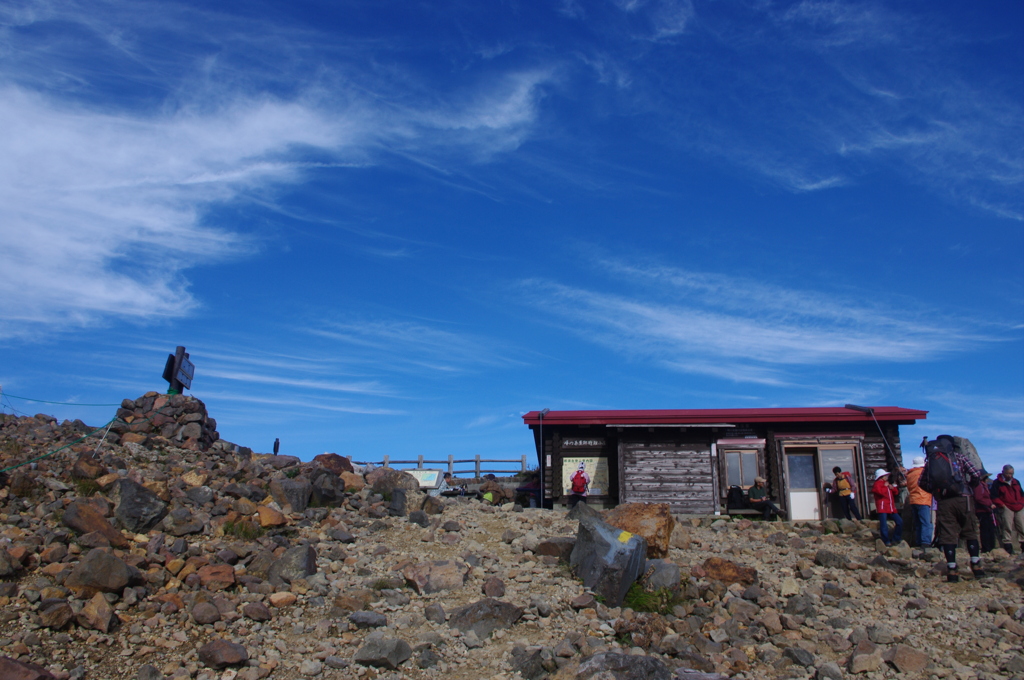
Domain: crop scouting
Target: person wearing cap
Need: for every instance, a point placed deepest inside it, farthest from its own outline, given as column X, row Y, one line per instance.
column 1008, row 498
column 885, row 504
column 760, row 500
column 954, row 518
column 920, row 503
column 985, row 510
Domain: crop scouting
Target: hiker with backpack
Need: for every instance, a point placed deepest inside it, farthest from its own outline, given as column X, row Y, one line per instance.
column 843, row 485
column 1009, row 502
column 949, row 477
column 579, row 486
column 885, row 504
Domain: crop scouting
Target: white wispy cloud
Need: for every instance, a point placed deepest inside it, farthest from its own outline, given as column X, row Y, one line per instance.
column 741, row 329
column 103, row 207
column 413, row 346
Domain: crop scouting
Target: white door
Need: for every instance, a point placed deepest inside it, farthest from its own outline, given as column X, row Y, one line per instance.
column 803, row 486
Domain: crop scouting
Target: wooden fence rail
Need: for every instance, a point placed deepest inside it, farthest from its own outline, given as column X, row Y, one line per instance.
column 451, row 463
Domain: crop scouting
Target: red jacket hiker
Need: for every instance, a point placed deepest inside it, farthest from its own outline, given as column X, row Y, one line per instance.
column 885, row 499
column 1007, row 494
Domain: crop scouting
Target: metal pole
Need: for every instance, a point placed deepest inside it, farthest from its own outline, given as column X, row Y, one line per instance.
column 478, row 466
column 419, row 462
column 540, row 417
column 451, row 464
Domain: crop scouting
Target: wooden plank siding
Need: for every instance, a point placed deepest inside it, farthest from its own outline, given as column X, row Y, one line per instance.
column 668, row 472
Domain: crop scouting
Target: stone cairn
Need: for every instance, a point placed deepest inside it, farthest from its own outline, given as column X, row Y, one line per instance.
column 159, row 420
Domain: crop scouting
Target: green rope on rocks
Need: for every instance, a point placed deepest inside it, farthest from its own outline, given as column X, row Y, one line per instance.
column 80, row 439
column 47, row 455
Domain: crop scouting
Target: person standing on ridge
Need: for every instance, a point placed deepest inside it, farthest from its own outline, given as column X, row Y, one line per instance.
column 985, row 510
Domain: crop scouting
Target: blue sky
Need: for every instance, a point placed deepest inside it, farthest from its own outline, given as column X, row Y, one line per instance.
column 392, row 228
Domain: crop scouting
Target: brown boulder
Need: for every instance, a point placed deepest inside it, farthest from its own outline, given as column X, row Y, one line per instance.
column 433, row 577
column 333, row 462
column 269, row 517
column 352, row 481
column 392, row 479
column 87, row 466
column 96, row 614
column 83, row 517
column 729, row 572
column 906, row 659
column 55, row 614
column 221, row 653
column 10, row 669
column 217, row 576
column 651, row 521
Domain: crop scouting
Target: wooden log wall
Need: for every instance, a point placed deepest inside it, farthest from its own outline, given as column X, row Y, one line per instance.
column 874, row 450
column 668, row 472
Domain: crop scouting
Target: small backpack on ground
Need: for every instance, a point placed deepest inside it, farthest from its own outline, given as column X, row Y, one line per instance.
column 579, row 482
column 942, row 476
column 736, row 500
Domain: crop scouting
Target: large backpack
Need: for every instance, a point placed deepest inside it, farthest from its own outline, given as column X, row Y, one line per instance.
column 579, row 482
column 942, row 476
column 736, row 500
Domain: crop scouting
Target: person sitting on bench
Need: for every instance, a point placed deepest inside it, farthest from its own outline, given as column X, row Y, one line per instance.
column 760, row 500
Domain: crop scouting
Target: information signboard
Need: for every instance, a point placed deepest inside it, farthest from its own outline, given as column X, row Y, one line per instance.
column 428, row 479
column 595, row 466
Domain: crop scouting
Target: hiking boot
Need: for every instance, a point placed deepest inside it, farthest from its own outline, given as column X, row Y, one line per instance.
column 1008, row 547
column 953, row 576
column 977, row 571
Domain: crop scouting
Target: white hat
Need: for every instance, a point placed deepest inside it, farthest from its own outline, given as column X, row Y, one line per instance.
column 880, row 472
column 918, row 461
column 581, row 466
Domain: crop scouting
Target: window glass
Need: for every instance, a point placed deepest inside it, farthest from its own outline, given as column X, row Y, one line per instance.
column 732, row 465
column 749, row 467
column 801, row 472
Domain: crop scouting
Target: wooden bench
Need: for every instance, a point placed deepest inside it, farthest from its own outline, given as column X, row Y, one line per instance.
column 740, row 511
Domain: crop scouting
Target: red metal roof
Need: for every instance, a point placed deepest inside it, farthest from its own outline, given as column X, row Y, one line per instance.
column 831, row 414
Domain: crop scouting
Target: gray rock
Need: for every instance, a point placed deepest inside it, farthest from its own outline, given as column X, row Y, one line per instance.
column 557, row 546
column 484, row 617
column 799, row 656
column 205, row 612
column 257, row 611
column 327, row 488
column 581, row 511
column 827, row 558
column 665, row 574
column 829, row 671
column 99, row 571
column 293, row 493
column 200, row 495
column 607, row 565
column 383, row 653
column 137, row 508
column 149, row 672
column 364, row 619
column 419, row 517
column 623, row 667
column 528, row 664
column 690, row 674
column 295, row 563
column 434, row 612
column 880, row 634
column 800, row 605
column 8, row 565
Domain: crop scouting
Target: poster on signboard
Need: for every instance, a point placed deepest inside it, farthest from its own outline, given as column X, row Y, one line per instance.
column 428, row 479
column 595, row 466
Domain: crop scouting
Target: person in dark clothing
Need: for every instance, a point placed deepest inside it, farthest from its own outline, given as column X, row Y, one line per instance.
column 984, row 509
column 955, row 518
column 760, row 500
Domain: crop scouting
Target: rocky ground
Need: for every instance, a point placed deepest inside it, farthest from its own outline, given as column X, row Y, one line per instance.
column 147, row 560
